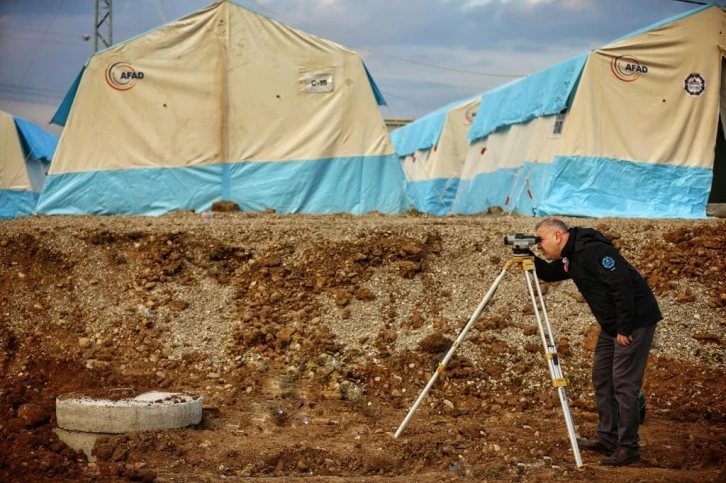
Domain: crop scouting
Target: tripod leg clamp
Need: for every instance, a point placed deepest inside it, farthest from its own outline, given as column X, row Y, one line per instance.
column 559, row 382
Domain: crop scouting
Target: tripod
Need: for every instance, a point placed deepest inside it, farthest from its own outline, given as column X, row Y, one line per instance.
column 524, row 261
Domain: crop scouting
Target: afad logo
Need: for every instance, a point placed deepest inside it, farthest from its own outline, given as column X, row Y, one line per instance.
column 627, row 68
column 122, row 76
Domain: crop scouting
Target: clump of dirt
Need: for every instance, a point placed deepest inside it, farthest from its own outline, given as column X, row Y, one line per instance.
column 435, row 343
column 278, row 293
column 688, row 253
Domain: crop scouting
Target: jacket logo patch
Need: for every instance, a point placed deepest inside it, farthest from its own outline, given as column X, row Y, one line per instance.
column 608, row 262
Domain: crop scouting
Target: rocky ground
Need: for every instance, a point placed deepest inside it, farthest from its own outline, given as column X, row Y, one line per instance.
column 309, row 337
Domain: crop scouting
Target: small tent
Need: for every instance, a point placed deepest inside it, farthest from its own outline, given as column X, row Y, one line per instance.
column 224, row 104
column 25, row 153
column 432, row 151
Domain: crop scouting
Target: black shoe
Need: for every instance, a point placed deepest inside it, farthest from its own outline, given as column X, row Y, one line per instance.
column 622, row 457
column 595, row 445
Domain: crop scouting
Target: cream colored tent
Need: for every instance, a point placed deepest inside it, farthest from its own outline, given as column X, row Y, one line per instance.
column 25, row 151
column 224, row 104
column 432, row 150
column 630, row 129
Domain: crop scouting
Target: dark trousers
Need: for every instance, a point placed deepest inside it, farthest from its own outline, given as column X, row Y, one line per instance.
column 617, row 375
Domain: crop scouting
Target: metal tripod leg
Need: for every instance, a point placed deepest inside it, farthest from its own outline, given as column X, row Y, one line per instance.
column 452, row 349
column 553, row 362
column 558, row 381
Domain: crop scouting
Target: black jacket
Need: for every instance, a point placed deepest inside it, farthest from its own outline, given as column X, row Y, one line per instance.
column 619, row 297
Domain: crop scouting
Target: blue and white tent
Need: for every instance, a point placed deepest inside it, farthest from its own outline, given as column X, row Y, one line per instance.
column 224, row 104
column 432, row 151
column 628, row 130
column 25, row 153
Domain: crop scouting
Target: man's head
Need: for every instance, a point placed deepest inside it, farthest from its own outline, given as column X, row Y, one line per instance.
column 553, row 235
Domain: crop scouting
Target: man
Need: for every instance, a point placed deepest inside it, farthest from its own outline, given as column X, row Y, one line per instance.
column 627, row 311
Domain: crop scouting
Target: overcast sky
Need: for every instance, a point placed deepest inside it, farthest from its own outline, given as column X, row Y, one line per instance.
column 42, row 47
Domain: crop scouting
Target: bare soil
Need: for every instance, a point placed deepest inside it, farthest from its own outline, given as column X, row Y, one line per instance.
column 309, row 337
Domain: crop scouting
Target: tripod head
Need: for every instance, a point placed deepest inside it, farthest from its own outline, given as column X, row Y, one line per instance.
column 521, row 243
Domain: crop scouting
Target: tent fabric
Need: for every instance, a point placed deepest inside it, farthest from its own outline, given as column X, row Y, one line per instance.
column 318, row 186
column 25, row 151
column 433, row 174
column 508, row 169
column 590, row 186
column 433, row 196
column 13, row 173
column 423, row 133
column 512, row 189
column 61, row 114
column 224, row 88
column 37, row 143
column 16, row 203
column 542, row 94
column 649, row 116
column 380, row 100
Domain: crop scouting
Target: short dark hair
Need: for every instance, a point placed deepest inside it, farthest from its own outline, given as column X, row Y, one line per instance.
column 554, row 223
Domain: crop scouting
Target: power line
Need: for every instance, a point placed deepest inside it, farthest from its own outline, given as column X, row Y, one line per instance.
column 9, row 8
column 158, row 7
column 398, row 57
column 8, row 87
column 388, row 94
column 691, row 1
column 436, row 66
column 66, row 34
column 35, row 54
column 47, row 41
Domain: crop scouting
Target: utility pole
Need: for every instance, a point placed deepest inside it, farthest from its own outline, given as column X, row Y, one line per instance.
column 104, row 25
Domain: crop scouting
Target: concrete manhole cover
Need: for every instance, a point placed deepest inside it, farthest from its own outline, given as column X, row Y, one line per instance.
column 115, row 414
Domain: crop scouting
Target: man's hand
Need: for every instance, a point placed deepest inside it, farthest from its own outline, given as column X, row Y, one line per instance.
column 624, row 340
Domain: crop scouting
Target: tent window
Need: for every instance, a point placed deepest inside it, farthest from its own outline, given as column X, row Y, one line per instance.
column 559, row 124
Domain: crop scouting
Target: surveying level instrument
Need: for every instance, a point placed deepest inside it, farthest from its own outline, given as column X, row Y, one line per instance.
column 522, row 258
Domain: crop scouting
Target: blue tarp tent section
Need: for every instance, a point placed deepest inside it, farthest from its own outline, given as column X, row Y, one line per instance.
column 37, row 144
column 583, row 186
column 61, row 114
column 542, row 94
column 380, row 100
column 25, row 153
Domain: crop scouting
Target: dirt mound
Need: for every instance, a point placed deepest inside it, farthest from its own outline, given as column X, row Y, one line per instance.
column 310, row 337
column 689, row 253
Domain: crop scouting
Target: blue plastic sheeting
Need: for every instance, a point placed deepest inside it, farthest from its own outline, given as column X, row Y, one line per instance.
column 598, row 187
column 512, row 189
column 542, row 94
column 15, row 203
column 36, row 143
column 424, row 132
column 380, row 100
column 353, row 185
column 61, row 114
column 657, row 25
column 433, row 196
